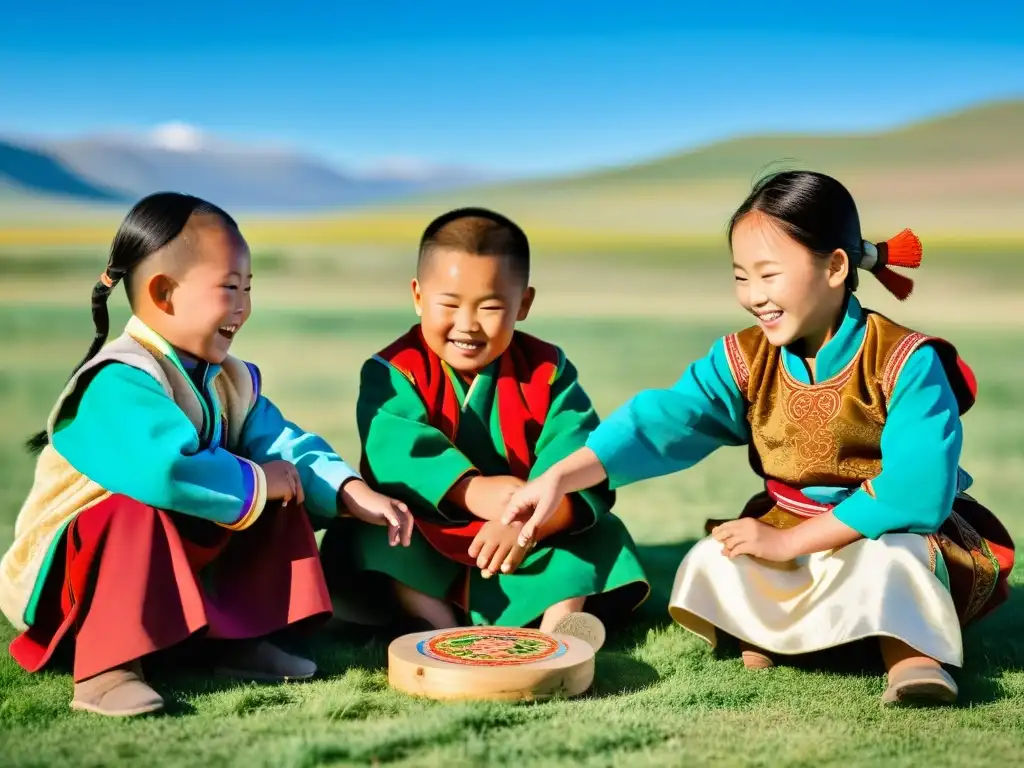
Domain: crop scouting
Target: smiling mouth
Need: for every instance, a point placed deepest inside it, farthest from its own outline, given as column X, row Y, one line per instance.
column 769, row 317
column 467, row 346
column 228, row 331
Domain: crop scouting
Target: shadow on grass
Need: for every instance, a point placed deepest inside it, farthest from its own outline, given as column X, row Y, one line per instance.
column 992, row 647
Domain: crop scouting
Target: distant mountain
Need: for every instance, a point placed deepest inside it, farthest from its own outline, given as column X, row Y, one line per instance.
column 27, row 170
column 958, row 174
column 178, row 157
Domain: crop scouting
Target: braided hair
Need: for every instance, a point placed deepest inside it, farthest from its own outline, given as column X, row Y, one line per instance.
column 151, row 224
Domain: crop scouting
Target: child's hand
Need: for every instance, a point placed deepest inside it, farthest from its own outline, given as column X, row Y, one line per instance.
column 485, row 497
column 377, row 509
column 283, row 482
column 496, row 547
column 538, row 500
column 748, row 536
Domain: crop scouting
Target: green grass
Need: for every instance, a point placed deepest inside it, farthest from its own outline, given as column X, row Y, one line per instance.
column 661, row 697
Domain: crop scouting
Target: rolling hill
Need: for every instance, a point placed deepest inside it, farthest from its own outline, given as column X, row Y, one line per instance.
column 957, row 175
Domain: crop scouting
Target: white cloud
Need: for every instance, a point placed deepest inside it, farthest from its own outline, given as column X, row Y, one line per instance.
column 178, row 137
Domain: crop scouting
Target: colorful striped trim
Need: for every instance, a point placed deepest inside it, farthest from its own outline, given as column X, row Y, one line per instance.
column 793, row 501
column 389, row 364
column 559, row 368
column 255, row 484
column 737, row 364
column 904, row 348
column 257, row 382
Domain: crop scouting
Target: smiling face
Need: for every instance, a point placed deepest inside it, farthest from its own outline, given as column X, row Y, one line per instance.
column 795, row 295
column 200, row 308
column 468, row 306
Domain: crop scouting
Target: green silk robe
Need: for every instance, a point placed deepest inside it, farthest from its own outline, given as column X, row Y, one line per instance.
column 412, row 461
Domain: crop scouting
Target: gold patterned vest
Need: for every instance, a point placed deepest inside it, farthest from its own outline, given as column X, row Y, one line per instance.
column 830, row 432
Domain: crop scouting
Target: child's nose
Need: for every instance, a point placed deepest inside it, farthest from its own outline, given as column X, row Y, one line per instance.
column 467, row 321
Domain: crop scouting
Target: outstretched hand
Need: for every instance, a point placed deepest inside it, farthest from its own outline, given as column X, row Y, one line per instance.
column 538, row 501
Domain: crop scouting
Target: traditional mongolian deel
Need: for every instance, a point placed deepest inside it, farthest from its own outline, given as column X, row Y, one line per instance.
column 931, row 559
column 424, row 428
column 131, row 544
column 502, row 663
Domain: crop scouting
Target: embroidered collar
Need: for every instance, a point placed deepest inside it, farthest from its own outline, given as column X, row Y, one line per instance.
column 192, row 368
column 467, row 391
column 837, row 352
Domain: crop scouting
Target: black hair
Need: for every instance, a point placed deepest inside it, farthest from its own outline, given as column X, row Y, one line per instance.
column 813, row 209
column 477, row 231
column 151, row 224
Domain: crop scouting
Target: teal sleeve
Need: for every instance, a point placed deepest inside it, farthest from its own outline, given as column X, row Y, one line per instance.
column 921, row 443
column 661, row 431
column 570, row 421
column 268, row 436
column 127, row 435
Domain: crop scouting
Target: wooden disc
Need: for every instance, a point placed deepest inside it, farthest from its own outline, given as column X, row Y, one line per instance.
column 490, row 663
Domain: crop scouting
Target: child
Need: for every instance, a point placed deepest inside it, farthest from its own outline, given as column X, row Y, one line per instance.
column 865, row 528
column 457, row 414
column 169, row 492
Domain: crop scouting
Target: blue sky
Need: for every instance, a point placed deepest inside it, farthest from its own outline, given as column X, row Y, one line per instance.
column 524, row 87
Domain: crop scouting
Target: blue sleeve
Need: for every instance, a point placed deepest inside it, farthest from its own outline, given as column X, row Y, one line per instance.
column 921, row 444
column 127, row 435
column 268, row 436
column 661, row 431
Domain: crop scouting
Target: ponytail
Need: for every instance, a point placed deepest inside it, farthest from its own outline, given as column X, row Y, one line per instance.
column 818, row 212
column 903, row 250
column 151, row 224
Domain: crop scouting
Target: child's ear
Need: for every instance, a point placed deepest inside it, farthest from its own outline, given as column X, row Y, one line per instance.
column 524, row 308
column 417, row 297
column 838, row 268
column 160, row 289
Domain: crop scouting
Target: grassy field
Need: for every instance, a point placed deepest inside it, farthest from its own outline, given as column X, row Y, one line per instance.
column 661, row 697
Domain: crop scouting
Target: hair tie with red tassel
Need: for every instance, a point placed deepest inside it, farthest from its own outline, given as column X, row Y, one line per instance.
column 903, row 250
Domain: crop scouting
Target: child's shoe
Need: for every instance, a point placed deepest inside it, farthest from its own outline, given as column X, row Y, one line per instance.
column 754, row 658
column 120, row 692
column 264, row 662
column 584, row 626
column 922, row 686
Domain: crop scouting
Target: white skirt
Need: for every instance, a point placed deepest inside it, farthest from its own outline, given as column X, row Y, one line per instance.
column 871, row 588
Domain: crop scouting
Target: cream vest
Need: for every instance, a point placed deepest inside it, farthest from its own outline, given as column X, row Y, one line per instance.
column 59, row 492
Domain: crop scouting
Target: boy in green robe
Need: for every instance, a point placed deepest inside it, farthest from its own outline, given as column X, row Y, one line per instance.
column 457, row 414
